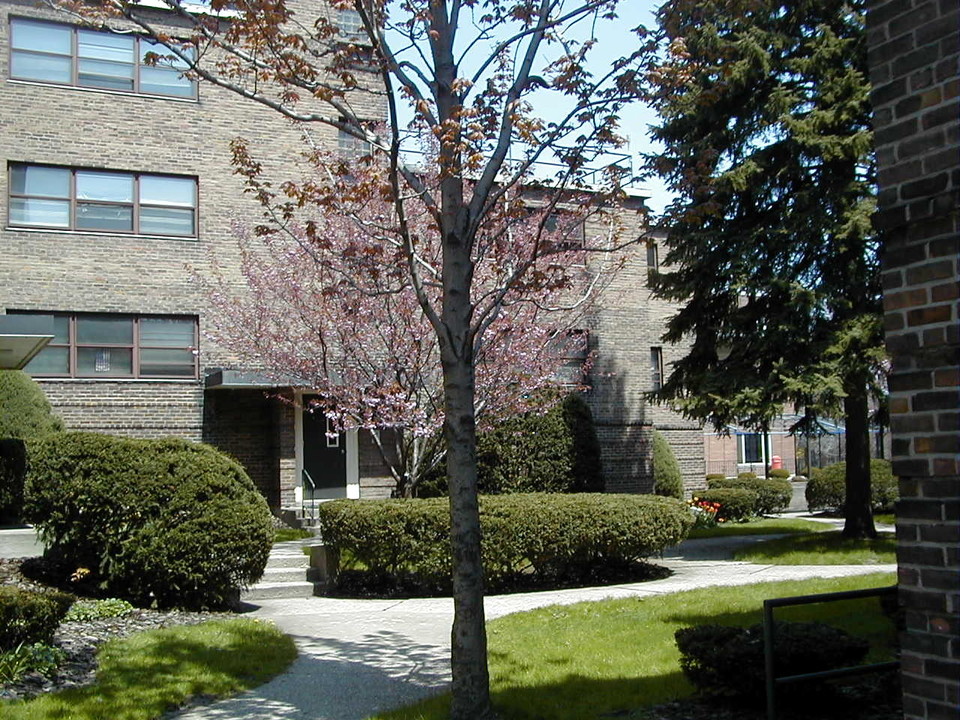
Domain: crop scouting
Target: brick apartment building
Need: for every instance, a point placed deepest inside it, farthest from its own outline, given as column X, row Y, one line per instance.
column 117, row 179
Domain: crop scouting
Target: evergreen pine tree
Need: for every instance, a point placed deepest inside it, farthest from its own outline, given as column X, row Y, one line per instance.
column 765, row 127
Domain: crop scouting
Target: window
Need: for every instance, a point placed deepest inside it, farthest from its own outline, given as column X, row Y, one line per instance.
column 569, row 231
column 118, row 202
column 117, row 346
column 572, row 348
column 66, row 55
column 351, row 147
column 350, row 26
column 653, row 260
column 656, row 367
column 752, row 448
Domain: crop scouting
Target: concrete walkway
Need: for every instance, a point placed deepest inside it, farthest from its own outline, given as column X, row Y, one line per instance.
column 360, row 657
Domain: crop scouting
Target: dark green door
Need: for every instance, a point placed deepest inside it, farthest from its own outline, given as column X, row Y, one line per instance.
column 324, row 458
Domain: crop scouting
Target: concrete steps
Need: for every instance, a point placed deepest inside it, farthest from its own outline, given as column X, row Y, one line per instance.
column 287, row 575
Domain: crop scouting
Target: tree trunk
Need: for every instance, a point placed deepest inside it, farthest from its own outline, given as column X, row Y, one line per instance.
column 857, row 511
column 471, row 682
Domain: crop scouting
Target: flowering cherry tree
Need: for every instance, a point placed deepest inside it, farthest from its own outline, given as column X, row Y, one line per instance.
column 325, row 304
column 470, row 74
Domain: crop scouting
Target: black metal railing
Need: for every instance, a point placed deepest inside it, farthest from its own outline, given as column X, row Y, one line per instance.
column 768, row 640
column 308, row 485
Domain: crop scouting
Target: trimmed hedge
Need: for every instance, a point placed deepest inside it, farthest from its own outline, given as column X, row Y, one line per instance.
column 667, row 479
column 779, row 473
column 551, row 536
column 555, row 451
column 723, row 661
column 165, row 522
column 773, row 495
column 736, row 504
column 826, row 488
column 29, row 617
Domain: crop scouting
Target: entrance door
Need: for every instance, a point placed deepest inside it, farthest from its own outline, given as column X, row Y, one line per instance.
column 324, row 458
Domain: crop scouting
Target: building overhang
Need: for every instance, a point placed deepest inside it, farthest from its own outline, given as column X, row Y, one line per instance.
column 21, row 338
column 221, row 379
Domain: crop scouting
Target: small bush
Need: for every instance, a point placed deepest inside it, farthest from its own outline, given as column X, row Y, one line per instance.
column 30, row 617
column 667, row 479
column 26, row 658
column 826, row 488
column 779, row 473
column 747, row 476
column 165, row 522
column 736, row 504
column 715, row 476
column 773, row 495
column 84, row 610
column 557, row 537
column 728, row 661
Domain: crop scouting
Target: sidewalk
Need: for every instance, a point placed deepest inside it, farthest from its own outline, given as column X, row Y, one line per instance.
column 360, row 657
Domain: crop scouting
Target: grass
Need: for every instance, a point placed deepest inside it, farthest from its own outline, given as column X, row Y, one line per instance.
column 288, row 534
column 145, row 675
column 764, row 526
column 822, row 549
column 885, row 518
column 610, row 658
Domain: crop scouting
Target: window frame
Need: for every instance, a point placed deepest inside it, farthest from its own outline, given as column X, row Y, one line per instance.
column 763, row 444
column 136, row 346
column 74, row 202
column 656, row 367
column 74, row 57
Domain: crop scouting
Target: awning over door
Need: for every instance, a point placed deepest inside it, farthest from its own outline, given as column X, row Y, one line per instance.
column 22, row 337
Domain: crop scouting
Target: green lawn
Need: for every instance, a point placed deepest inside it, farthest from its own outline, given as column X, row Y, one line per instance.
column 764, row 526
column 822, row 549
column 145, row 675
column 610, row 658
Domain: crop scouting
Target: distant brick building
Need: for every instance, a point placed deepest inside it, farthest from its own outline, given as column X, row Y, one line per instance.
column 914, row 57
column 118, row 177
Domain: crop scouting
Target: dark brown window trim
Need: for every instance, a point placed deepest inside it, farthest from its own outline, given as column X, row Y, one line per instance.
column 75, row 83
column 136, row 205
column 135, row 346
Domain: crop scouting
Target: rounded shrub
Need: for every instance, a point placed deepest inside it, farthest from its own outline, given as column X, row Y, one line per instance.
column 28, row 617
column 747, row 476
column 779, row 473
column 166, row 522
column 715, row 476
column 667, row 479
column 553, row 451
column 24, row 410
column 549, row 537
column 724, row 661
column 773, row 495
column 826, row 488
column 24, row 414
column 736, row 504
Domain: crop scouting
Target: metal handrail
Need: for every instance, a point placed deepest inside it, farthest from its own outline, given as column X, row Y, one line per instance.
column 313, row 493
column 768, row 634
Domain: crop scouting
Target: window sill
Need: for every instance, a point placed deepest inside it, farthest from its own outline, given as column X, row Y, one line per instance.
column 100, row 233
column 104, row 91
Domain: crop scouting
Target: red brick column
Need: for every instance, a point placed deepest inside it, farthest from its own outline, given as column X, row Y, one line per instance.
column 914, row 72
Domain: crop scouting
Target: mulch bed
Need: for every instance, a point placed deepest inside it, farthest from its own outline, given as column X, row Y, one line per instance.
column 80, row 640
